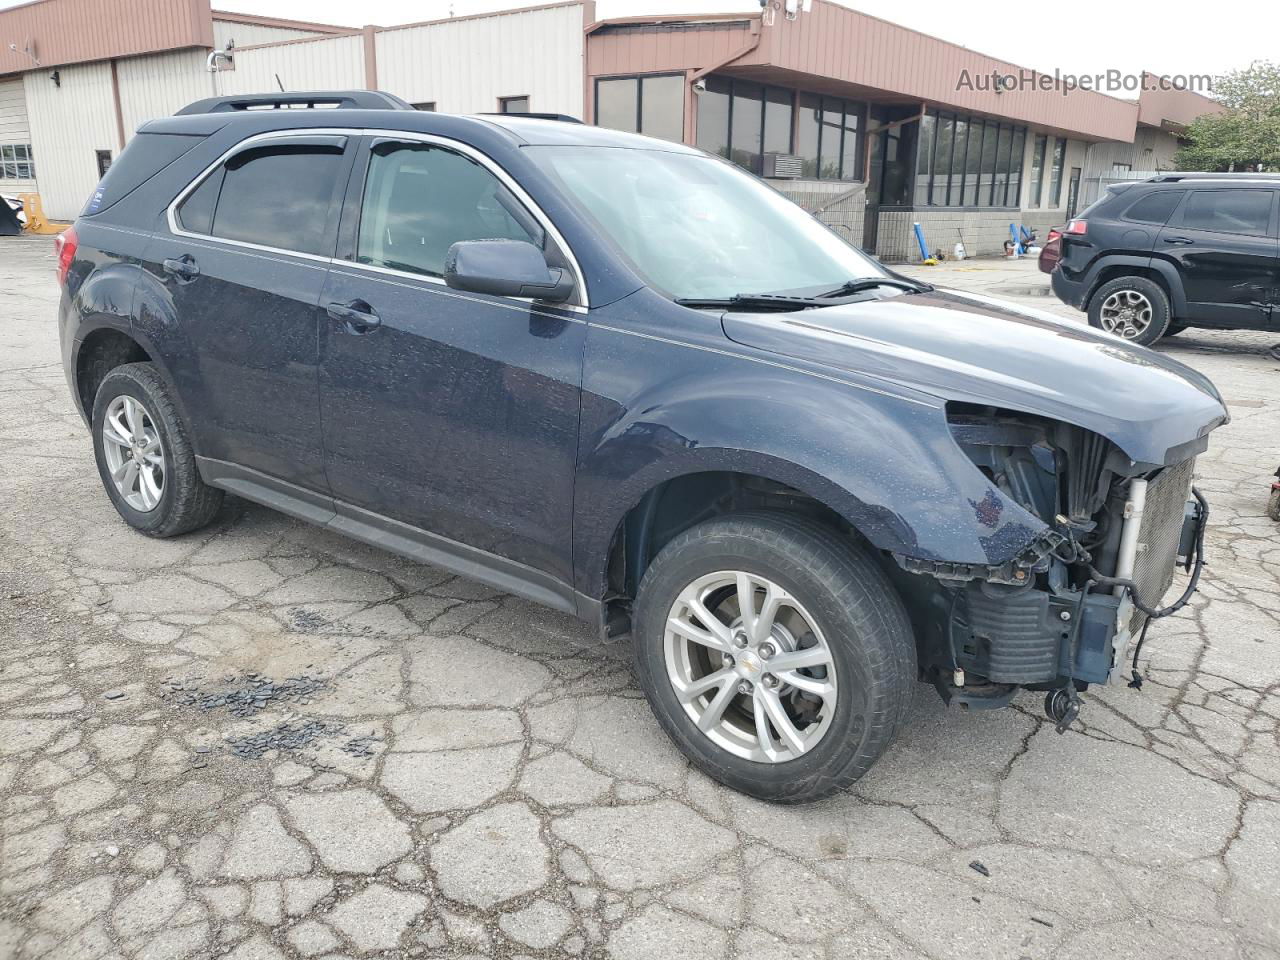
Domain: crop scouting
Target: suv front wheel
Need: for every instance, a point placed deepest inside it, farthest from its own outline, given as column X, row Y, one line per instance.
column 1133, row 308
column 775, row 653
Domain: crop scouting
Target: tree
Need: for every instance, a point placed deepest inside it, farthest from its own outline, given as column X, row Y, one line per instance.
column 1247, row 133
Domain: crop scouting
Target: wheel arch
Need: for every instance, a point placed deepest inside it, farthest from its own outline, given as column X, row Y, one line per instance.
column 102, row 349
column 106, row 345
column 1155, row 269
column 651, row 513
column 674, row 504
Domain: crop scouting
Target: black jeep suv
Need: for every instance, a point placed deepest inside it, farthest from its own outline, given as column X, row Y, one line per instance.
column 630, row 381
column 1153, row 257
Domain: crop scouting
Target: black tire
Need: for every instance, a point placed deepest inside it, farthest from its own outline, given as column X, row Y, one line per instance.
column 1273, row 506
column 186, row 502
column 1155, row 296
column 855, row 607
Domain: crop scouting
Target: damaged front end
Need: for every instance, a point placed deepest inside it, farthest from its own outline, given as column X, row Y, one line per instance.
column 1065, row 611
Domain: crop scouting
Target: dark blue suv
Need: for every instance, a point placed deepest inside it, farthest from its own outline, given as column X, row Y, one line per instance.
column 629, row 381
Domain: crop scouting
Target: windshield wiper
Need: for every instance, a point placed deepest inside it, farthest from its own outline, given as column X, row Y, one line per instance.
column 870, row 283
column 767, row 301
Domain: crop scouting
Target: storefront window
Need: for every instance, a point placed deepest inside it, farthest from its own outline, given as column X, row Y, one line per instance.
column 955, row 195
column 653, row 105
column 713, row 117
column 1015, row 166
column 1055, row 173
column 742, row 120
column 808, row 124
column 943, row 144
column 777, row 120
column 829, row 149
column 1001, row 186
column 987, row 173
column 745, row 123
column 851, row 152
column 662, row 107
column 618, row 104
column 924, row 169
column 966, row 161
column 973, row 162
column 1037, row 169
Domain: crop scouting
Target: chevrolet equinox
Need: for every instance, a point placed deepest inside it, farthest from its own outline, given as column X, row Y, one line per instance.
column 632, row 382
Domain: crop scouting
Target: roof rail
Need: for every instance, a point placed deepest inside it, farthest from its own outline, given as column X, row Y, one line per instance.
column 562, row 117
column 343, row 99
column 1175, row 177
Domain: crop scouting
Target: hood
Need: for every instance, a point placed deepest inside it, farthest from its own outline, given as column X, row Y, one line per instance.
column 965, row 347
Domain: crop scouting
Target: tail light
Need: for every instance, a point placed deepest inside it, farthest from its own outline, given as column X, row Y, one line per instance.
column 65, row 246
column 1078, row 228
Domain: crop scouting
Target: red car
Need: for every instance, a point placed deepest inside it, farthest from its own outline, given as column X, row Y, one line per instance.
column 1051, row 252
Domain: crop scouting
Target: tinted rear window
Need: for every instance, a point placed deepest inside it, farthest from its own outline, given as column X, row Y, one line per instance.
column 279, row 196
column 1155, row 207
column 1228, row 211
column 144, row 156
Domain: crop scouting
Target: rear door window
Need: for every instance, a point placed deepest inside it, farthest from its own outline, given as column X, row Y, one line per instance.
column 1228, row 211
column 420, row 199
column 278, row 195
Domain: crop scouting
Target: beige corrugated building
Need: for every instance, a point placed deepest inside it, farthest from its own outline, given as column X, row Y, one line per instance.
column 866, row 123
column 86, row 73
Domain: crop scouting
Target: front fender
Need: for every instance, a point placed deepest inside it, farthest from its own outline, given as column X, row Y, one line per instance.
column 885, row 462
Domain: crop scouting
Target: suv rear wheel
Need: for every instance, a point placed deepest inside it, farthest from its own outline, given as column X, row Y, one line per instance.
column 1133, row 308
column 144, row 457
column 776, row 655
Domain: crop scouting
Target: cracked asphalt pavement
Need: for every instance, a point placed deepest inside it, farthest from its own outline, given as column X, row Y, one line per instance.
column 263, row 741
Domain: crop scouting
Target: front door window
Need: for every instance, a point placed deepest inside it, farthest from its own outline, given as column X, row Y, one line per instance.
column 420, row 199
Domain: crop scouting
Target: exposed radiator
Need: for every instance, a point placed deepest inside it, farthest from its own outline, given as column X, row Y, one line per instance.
column 1159, row 534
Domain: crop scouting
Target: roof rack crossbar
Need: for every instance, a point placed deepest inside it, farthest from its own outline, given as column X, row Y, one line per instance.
column 311, row 99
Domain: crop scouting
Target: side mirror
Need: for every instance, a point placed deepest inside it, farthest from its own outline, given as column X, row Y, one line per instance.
column 505, row 268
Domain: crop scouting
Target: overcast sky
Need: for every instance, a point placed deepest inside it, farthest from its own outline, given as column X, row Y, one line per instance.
column 1082, row 37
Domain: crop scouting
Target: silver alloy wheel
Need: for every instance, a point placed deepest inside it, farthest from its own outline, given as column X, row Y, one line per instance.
column 750, row 666
column 135, row 457
column 1126, row 313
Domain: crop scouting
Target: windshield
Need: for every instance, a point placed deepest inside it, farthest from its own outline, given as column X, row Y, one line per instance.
column 697, row 228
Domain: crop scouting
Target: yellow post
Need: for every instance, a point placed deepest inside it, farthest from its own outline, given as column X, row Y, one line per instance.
column 36, row 222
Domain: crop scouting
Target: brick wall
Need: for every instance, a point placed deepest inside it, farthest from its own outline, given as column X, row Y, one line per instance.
column 841, row 204
column 984, row 231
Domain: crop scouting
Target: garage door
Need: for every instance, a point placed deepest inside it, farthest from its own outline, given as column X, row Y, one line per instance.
column 17, row 173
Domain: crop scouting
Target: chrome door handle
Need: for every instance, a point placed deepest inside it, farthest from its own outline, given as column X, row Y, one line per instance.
column 1178, row 240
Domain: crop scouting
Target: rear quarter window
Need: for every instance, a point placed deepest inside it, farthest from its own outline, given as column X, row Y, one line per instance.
column 1155, row 207
column 144, row 156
